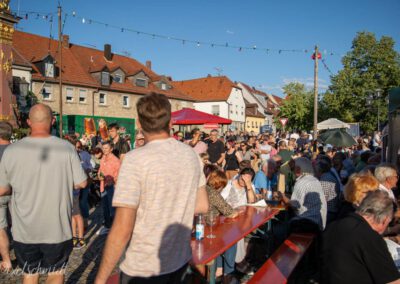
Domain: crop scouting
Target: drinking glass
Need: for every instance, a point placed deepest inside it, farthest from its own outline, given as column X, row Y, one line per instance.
column 211, row 219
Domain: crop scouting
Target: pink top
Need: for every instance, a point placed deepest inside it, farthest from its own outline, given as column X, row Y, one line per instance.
column 109, row 167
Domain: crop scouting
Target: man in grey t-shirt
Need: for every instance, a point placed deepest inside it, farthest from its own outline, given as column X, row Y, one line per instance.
column 5, row 136
column 40, row 171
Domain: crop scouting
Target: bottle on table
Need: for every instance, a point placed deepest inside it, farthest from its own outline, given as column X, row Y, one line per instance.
column 199, row 228
column 269, row 192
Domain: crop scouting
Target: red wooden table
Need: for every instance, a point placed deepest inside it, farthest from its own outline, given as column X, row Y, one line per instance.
column 228, row 232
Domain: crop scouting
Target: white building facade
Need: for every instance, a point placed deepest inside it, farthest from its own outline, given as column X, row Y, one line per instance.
column 234, row 108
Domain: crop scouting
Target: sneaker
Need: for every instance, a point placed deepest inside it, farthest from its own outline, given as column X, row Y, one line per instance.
column 80, row 244
column 103, row 231
column 74, row 241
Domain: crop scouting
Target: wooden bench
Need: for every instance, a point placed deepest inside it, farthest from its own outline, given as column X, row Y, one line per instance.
column 284, row 260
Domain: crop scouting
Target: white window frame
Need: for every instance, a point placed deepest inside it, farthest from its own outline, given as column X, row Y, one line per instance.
column 104, row 99
column 213, row 110
column 47, row 71
column 164, row 86
column 140, row 79
column 128, row 104
column 82, row 94
column 69, row 98
column 47, row 91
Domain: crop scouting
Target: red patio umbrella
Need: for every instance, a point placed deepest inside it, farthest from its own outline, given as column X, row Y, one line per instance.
column 188, row 116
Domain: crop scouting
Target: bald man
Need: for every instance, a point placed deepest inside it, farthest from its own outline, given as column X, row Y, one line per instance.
column 40, row 172
column 6, row 131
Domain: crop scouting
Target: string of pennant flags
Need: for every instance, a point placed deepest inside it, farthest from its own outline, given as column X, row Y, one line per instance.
column 89, row 21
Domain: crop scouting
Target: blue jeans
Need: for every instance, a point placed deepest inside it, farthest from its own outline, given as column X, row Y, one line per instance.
column 227, row 260
column 84, row 203
column 108, row 210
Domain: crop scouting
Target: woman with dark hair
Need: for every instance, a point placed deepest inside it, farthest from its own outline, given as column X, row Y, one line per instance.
column 232, row 159
column 240, row 190
column 245, row 151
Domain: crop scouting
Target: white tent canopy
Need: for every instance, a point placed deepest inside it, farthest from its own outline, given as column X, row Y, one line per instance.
column 332, row 123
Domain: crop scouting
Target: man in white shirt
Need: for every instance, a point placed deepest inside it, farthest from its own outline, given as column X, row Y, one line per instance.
column 265, row 149
column 159, row 189
column 388, row 177
column 376, row 140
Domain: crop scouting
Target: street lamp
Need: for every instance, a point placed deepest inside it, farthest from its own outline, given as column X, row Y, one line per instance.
column 23, row 87
column 370, row 98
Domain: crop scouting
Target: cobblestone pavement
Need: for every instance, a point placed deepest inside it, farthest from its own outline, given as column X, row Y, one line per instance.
column 83, row 263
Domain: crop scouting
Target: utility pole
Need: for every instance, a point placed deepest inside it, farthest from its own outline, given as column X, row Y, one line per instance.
column 60, row 71
column 316, row 57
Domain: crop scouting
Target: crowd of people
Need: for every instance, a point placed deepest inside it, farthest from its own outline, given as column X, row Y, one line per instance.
column 150, row 195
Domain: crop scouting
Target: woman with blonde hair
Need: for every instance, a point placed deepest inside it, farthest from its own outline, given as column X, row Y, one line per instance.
column 216, row 181
column 355, row 190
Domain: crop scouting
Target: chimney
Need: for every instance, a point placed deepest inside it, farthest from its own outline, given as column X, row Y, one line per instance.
column 107, row 52
column 65, row 41
column 148, row 64
column 209, row 76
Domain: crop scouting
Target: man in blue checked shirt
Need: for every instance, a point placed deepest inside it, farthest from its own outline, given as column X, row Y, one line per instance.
column 266, row 177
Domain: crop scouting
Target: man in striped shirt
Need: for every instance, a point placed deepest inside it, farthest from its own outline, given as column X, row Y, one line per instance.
column 307, row 201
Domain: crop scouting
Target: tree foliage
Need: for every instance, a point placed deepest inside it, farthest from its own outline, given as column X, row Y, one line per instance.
column 369, row 66
column 298, row 107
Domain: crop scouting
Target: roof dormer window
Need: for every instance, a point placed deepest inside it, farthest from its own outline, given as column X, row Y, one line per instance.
column 49, row 69
column 141, row 82
column 164, row 86
column 118, row 78
column 105, row 78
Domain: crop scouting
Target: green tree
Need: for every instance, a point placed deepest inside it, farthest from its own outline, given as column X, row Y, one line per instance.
column 297, row 107
column 369, row 66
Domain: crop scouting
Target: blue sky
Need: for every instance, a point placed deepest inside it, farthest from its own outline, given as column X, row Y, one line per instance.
column 275, row 25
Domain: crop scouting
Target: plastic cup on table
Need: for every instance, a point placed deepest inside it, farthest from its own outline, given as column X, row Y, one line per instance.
column 211, row 220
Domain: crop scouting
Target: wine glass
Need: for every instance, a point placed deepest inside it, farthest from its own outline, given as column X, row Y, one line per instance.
column 211, row 219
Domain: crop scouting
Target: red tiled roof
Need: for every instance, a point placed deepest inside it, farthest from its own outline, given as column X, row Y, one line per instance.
column 277, row 99
column 79, row 62
column 207, row 89
column 19, row 59
column 94, row 59
column 252, row 110
column 273, row 102
column 251, row 113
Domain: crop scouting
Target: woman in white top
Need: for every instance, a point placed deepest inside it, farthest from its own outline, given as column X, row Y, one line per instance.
column 240, row 190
